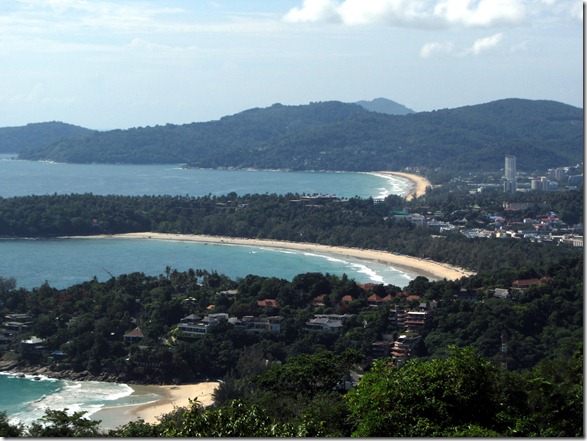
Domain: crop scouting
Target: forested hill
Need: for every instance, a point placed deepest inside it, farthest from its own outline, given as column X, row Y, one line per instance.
column 383, row 105
column 37, row 135
column 339, row 136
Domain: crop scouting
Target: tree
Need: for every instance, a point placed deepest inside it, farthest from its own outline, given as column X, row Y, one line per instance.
column 308, row 374
column 8, row 430
column 429, row 398
column 236, row 419
column 58, row 423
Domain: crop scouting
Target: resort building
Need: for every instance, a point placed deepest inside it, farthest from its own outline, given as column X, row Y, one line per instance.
column 192, row 326
column 257, row 324
column 327, row 322
column 403, row 347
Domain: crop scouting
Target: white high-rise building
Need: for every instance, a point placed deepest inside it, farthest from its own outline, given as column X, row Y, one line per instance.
column 510, row 174
column 510, row 168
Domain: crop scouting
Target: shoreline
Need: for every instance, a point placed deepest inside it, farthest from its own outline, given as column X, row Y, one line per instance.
column 425, row 267
column 419, row 183
column 170, row 398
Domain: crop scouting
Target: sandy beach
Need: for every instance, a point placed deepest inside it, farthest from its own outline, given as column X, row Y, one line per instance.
column 428, row 268
column 171, row 397
column 419, row 182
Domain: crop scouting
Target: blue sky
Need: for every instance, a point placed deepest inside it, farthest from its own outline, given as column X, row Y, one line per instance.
column 130, row 63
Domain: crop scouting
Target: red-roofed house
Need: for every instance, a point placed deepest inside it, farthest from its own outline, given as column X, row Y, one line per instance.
column 374, row 299
column 134, row 336
column 268, row 303
column 525, row 283
column 346, row 299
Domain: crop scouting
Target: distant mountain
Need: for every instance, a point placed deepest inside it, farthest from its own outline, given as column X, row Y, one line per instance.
column 339, row 136
column 383, row 105
column 37, row 135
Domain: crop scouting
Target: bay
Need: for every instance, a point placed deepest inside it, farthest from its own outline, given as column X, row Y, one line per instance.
column 65, row 262
column 22, row 178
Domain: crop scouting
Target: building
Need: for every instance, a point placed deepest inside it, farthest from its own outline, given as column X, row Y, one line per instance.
column 381, row 349
column 510, row 167
column 416, row 321
column 404, row 347
column 510, row 174
column 375, row 300
column 257, row 324
column 397, row 316
column 268, row 303
column 501, row 293
column 191, row 327
column 327, row 322
column 540, row 183
column 134, row 336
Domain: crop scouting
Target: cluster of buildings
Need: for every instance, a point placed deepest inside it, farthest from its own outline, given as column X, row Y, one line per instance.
column 544, row 228
column 555, row 178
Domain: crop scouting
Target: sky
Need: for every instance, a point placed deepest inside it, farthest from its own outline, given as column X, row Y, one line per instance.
column 135, row 63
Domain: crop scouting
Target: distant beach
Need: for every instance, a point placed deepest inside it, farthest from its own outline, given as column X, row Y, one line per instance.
column 419, row 186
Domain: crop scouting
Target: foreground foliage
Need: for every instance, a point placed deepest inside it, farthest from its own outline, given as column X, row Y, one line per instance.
column 461, row 395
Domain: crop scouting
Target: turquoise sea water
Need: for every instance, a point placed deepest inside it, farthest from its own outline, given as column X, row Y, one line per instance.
column 66, row 262
column 24, row 399
column 21, row 178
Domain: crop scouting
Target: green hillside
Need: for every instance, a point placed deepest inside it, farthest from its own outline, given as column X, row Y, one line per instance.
column 339, row 136
column 37, row 135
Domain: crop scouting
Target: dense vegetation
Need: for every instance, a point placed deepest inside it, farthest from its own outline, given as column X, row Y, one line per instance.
column 358, row 223
column 338, row 136
column 38, row 135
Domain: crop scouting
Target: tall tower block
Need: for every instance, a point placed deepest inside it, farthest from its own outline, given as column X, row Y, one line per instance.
column 510, row 174
column 510, row 168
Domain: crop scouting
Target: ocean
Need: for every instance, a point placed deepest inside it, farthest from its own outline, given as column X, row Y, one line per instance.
column 64, row 262
column 25, row 399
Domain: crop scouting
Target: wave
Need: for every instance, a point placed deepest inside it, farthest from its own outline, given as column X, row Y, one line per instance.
column 75, row 396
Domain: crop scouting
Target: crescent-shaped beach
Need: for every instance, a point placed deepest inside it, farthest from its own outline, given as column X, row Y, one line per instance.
column 429, row 268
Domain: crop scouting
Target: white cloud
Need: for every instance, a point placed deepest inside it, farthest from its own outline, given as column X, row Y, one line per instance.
column 314, row 10
column 412, row 13
column 478, row 46
column 429, row 49
column 482, row 13
column 484, row 44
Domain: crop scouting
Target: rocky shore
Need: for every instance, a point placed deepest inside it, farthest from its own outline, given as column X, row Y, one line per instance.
column 52, row 371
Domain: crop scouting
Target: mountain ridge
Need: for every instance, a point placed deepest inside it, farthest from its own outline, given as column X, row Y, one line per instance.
column 384, row 105
column 333, row 135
